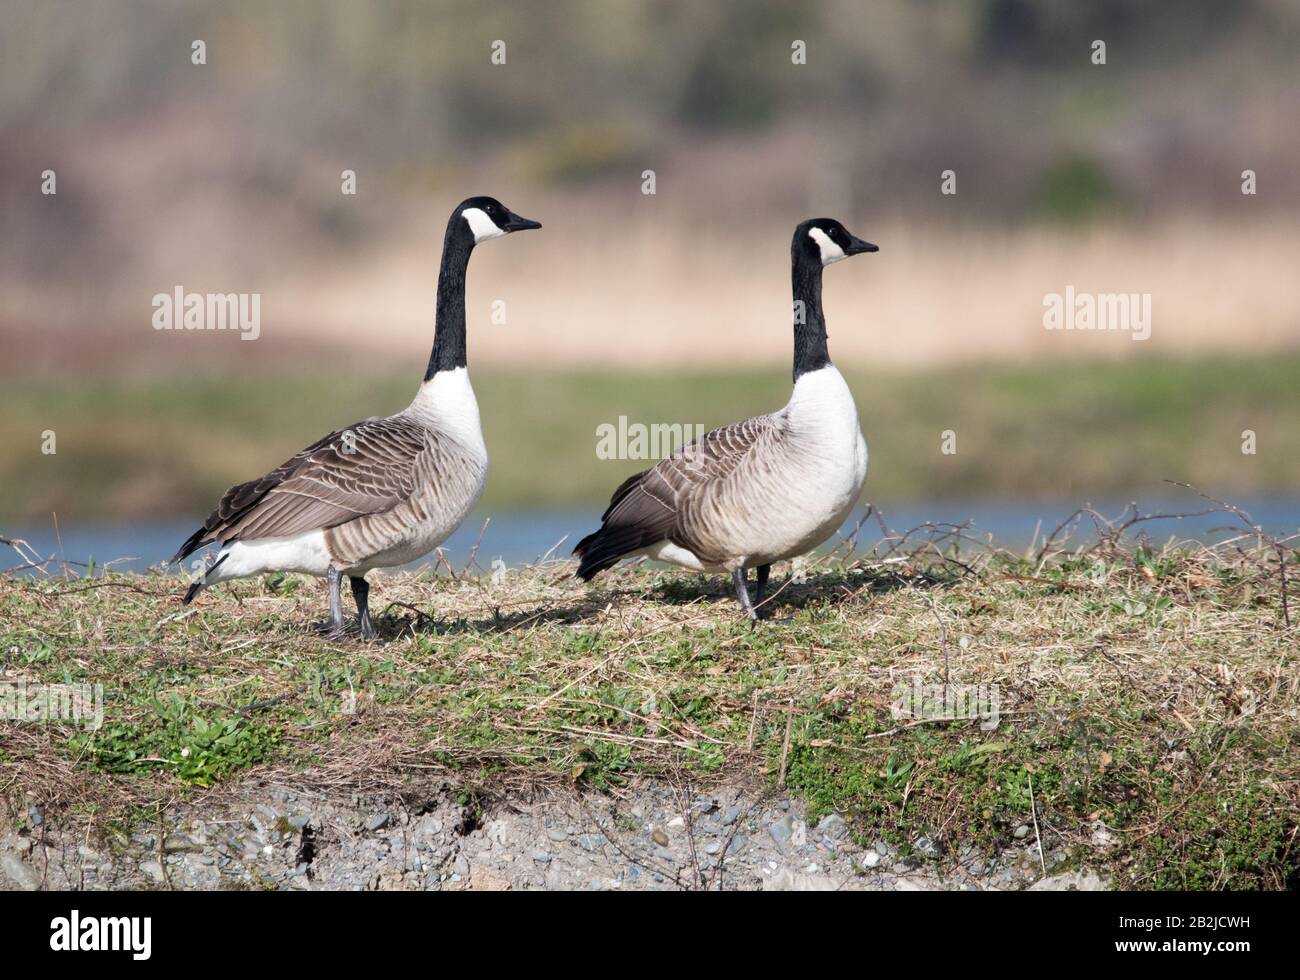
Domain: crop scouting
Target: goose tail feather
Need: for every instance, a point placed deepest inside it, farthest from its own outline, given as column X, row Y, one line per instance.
column 192, row 544
column 200, row 583
column 630, row 524
column 604, row 548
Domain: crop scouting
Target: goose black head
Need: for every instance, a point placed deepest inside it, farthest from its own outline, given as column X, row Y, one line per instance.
column 825, row 240
column 486, row 217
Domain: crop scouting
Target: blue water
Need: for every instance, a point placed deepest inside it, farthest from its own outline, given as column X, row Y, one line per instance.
column 519, row 537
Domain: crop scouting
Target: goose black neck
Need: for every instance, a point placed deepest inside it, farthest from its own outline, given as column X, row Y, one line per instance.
column 449, row 330
column 810, row 351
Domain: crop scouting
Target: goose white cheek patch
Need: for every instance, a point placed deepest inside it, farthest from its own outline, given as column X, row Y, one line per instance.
column 830, row 251
column 481, row 225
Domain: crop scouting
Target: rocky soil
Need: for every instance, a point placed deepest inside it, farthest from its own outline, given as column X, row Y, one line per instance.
column 654, row 836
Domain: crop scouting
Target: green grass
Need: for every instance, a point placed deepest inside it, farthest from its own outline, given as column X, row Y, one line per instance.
column 150, row 449
column 1152, row 695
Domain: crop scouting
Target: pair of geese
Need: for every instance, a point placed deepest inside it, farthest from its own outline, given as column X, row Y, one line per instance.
column 387, row 491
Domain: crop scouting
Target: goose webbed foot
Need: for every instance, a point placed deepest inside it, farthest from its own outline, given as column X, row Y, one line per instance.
column 361, row 593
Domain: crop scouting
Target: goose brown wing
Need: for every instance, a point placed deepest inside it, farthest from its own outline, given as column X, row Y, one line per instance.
column 367, row 468
column 648, row 507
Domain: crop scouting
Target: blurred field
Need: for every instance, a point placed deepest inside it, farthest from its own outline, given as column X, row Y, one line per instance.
column 605, row 287
column 672, row 307
column 618, row 287
column 226, row 176
column 167, row 446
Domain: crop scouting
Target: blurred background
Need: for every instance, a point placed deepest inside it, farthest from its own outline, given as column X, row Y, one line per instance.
column 664, row 308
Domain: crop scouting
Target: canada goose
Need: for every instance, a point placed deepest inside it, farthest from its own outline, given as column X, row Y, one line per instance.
column 762, row 490
column 381, row 492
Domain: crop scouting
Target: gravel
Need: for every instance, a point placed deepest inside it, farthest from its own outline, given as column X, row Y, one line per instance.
column 927, row 848
column 268, row 836
column 833, row 826
column 17, row 873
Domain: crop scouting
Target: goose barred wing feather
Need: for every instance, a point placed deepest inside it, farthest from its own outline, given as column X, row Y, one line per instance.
column 367, row 468
column 658, row 504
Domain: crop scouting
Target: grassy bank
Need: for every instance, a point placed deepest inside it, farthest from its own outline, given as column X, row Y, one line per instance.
column 1148, row 715
column 153, row 448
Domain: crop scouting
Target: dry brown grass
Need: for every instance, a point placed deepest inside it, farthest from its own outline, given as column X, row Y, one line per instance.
column 669, row 289
column 671, row 292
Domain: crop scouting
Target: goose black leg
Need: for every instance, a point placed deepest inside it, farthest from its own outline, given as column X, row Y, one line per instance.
column 742, row 592
column 760, row 577
column 361, row 593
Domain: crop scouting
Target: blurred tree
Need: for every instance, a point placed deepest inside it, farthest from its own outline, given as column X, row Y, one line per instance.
column 736, row 79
